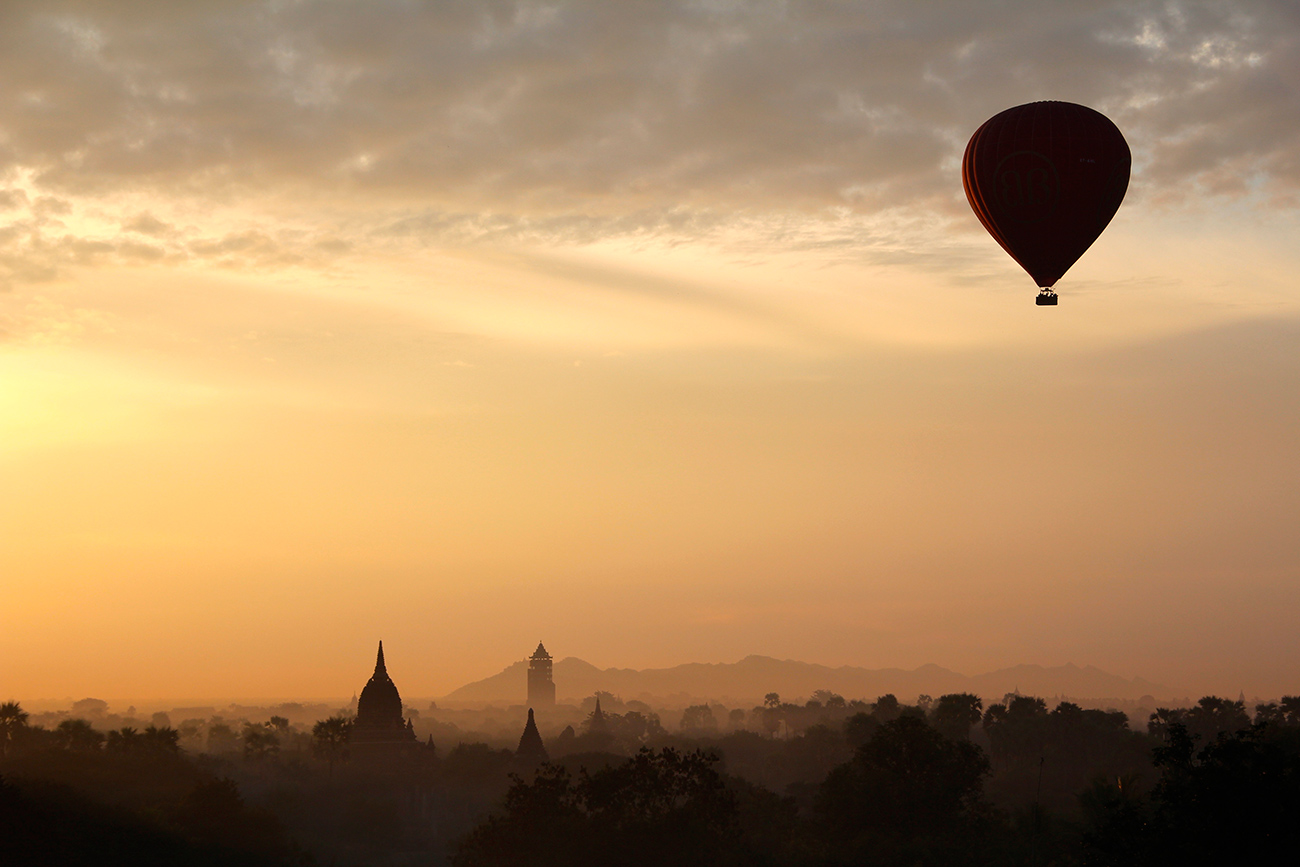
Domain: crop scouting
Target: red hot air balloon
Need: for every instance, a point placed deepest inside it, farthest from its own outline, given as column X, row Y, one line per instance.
column 1045, row 179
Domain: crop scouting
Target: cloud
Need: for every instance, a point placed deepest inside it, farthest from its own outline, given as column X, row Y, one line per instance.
column 31, row 253
column 147, row 224
column 37, row 248
column 10, row 199
column 578, row 120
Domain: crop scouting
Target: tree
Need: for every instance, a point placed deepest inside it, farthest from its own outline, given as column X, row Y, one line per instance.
column 90, row 707
column 260, row 742
column 635, row 726
column 1270, row 713
column 1117, row 823
column 13, row 719
column 1209, row 718
column 543, row 824
column 1234, row 801
column 214, row 813
column 772, row 699
column 699, row 718
column 221, row 737
column 909, row 795
column 79, row 736
column 859, row 728
column 1017, row 731
column 955, row 713
column 161, row 739
column 1159, row 723
column 1213, row 716
column 829, row 700
column 123, row 740
column 655, row 808
column 887, row 708
column 1290, row 706
column 329, row 740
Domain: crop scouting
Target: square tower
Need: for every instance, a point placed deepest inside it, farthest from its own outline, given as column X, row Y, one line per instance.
column 541, row 688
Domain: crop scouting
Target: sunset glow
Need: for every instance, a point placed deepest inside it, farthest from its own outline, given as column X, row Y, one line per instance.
column 662, row 332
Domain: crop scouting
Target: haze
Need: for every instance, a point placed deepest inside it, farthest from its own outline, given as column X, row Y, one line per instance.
column 662, row 332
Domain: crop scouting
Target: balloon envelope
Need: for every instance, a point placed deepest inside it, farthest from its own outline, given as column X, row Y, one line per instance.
column 1045, row 179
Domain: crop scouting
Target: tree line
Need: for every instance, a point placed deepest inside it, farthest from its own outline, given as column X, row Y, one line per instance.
column 942, row 781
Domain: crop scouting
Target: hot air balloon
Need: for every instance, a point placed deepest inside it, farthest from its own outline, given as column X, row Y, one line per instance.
column 1045, row 179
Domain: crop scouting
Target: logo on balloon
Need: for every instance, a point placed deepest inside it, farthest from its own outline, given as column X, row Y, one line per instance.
column 1027, row 186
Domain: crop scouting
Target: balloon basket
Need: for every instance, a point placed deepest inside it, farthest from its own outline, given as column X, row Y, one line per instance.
column 1046, row 298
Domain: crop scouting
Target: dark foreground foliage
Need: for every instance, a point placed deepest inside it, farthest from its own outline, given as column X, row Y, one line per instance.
column 825, row 784
column 656, row 808
column 52, row 824
column 1237, row 800
column 909, row 796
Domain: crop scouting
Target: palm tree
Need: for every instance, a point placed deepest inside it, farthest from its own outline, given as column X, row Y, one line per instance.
column 78, row 735
column 163, row 739
column 13, row 719
column 329, row 739
column 123, row 740
column 955, row 713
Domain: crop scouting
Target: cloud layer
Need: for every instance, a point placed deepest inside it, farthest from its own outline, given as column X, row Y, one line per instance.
column 629, row 108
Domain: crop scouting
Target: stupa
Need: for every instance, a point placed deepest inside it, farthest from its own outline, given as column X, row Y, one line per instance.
column 380, row 729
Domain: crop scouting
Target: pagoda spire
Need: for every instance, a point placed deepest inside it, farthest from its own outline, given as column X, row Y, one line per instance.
column 597, row 722
column 379, row 663
column 531, row 747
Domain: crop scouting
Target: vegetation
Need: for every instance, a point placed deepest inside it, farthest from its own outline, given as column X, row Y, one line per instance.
column 827, row 782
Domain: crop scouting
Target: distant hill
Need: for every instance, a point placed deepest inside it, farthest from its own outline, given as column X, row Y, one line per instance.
column 744, row 683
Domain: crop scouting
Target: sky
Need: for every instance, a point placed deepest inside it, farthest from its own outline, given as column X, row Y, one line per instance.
column 661, row 332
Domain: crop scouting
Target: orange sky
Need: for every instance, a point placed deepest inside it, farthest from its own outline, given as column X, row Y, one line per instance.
column 662, row 334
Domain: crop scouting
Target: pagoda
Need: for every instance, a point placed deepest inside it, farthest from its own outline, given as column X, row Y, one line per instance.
column 541, row 688
column 380, row 729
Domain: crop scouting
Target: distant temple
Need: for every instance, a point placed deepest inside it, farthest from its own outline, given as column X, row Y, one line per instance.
column 531, row 750
column 379, row 729
column 541, row 688
column 598, row 736
column 596, row 723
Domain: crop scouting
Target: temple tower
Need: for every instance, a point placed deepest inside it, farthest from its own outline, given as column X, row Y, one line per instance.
column 531, row 749
column 597, row 724
column 541, row 688
column 379, row 728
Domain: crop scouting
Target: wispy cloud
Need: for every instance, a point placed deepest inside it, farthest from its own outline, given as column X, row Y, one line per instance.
column 584, row 119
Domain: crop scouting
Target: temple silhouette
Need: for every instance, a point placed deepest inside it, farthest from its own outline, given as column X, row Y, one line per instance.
column 531, row 750
column 541, row 688
column 380, row 728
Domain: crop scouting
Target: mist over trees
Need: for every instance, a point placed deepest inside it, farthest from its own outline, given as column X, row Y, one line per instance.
column 822, row 781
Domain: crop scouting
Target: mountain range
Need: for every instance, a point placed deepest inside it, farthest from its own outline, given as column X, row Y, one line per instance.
column 745, row 683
